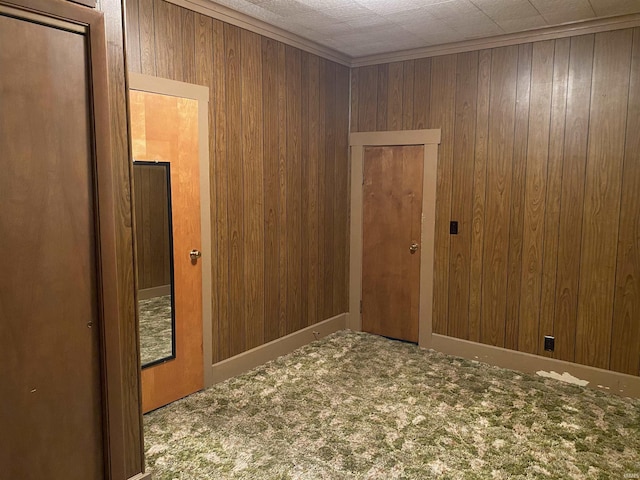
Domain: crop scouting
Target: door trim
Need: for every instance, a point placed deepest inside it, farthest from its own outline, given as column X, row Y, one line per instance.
column 147, row 83
column 357, row 141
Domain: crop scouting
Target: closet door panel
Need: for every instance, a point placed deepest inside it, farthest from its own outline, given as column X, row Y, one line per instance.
column 50, row 347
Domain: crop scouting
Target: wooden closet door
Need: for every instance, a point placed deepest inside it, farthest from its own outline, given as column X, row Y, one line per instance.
column 392, row 212
column 57, row 350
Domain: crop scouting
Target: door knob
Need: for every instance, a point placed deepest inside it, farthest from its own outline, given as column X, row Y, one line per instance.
column 195, row 255
column 413, row 248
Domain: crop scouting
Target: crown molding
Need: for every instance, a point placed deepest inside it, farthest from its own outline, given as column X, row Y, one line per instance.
column 228, row 15
column 547, row 33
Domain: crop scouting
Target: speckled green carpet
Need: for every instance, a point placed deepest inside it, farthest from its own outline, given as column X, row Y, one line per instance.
column 357, row 406
column 155, row 329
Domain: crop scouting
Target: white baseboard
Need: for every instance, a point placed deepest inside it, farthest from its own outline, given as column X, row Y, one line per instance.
column 270, row 351
column 606, row 380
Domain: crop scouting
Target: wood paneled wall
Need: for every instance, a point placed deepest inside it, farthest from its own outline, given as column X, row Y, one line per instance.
column 152, row 226
column 540, row 164
column 278, row 128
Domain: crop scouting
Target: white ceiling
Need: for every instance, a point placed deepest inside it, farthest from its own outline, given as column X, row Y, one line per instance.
column 365, row 27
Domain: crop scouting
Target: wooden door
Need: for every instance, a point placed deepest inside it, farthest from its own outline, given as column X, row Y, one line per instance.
column 165, row 128
column 392, row 211
column 59, row 346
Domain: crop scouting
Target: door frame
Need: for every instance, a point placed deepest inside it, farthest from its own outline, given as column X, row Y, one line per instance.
column 430, row 139
column 162, row 86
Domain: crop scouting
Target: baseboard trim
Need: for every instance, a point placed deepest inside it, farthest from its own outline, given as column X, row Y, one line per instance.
column 147, row 293
column 142, row 476
column 270, row 351
column 606, row 380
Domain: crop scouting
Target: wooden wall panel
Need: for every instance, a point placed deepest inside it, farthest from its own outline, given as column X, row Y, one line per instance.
column 253, row 188
column 279, row 122
column 342, row 188
column 282, row 192
column 188, row 46
column 304, row 197
column 271, row 189
column 516, row 228
column 329, row 199
column 168, row 39
column 421, row 92
column 395, row 91
column 502, row 102
column 625, row 351
column 383, row 97
column 368, row 99
column 145, row 32
column 294, row 188
column 539, row 173
column 220, row 180
column 235, row 200
column 461, row 203
column 442, row 112
column 133, row 40
column 572, row 196
column 608, row 115
column 479, row 194
column 535, row 193
column 554, row 192
column 322, row 186
column 311, row 220
column 407, row 94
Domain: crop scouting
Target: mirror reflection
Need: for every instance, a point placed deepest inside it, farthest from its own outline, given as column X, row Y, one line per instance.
column 152, row 184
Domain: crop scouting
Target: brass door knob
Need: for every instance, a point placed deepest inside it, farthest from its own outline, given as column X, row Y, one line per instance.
column 413, row 248
column 195, row 254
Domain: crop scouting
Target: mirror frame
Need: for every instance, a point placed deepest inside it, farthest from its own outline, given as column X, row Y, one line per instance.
column 167, row 169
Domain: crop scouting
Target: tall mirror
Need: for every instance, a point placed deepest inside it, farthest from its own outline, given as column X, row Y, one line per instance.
column 154, row 232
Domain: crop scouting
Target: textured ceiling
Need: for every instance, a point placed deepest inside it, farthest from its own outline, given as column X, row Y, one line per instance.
column 365, row 27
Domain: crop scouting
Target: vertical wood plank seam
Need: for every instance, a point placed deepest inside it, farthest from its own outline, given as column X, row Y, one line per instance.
column 264, row 190
column 584, row 188
column 451, row 196
column 484, row 213
column 485, row 193
column 524, row 183
column 139, row 48
column 546, row 208
column 155, row 38
column 564, row 138
column 513, row 135
column 226, row 103
column 155, row 41
column 475, row 135
column 241, row 239
column 213, row 160
column 624, row 157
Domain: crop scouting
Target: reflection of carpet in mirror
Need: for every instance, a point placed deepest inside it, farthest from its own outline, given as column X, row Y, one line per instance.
column 155, row 328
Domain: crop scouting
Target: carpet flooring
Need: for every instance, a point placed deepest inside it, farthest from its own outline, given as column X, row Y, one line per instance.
column 358, row 406
column 155, row 329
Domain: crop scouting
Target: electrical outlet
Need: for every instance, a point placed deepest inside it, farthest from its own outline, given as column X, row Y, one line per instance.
column 549, row 343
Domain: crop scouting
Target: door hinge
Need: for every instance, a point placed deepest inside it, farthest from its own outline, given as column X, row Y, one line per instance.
column 360, row 306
